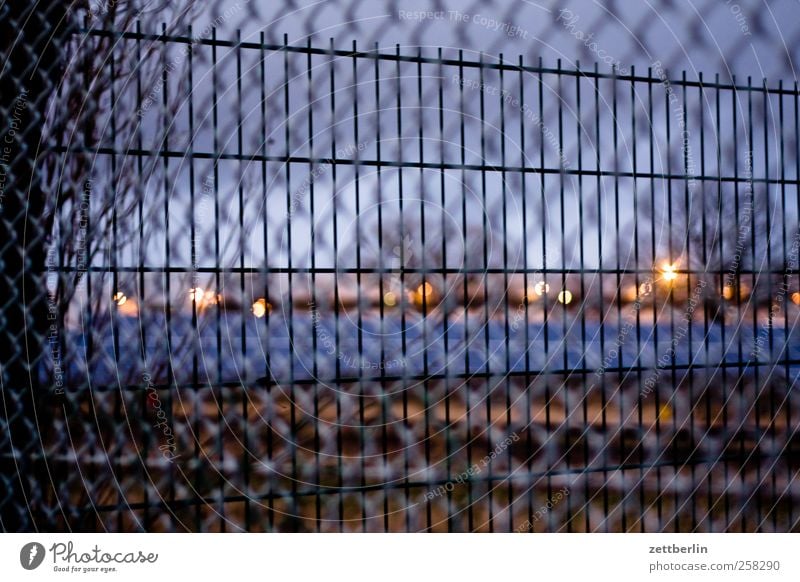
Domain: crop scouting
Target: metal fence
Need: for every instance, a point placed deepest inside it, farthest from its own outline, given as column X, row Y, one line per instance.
column 344, row 288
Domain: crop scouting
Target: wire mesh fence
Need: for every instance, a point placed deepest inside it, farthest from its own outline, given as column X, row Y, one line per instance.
column 325, row 287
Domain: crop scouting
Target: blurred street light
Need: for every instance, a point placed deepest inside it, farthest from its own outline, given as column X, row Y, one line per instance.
column 202, row 298
column 669, row 272
column 541, row 288
column 261, row 308
column 423, row 293
column 727, row 292
column 125, row 306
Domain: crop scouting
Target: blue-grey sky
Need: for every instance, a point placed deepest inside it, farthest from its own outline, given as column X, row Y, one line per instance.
column 716, row 37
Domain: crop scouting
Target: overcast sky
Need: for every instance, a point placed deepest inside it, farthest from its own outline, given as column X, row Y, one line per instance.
column 742, row 37
column 714, row 37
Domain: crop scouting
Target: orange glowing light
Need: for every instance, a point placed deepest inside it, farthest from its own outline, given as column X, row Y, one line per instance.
column 629, row 293
column 423, row 295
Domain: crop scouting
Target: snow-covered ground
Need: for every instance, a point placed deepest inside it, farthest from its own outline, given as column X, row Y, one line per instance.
column 233, row 347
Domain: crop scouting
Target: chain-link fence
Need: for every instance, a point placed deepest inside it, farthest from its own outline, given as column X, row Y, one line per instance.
column 256, row 283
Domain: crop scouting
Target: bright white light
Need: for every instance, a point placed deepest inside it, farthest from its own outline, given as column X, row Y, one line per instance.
column 261, row 308
column 203, row 298
column 669, row 272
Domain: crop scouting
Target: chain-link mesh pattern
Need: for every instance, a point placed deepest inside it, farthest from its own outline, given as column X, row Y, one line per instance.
column 284, row 283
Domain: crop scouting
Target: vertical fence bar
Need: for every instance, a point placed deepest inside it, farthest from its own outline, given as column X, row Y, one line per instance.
column 701, row 100
column 268, row 372
column 242, row 164
column 603, row 311
column 617, row 270
column 506, row 317
column 527, row 296
column 654, row 254
column 314, row 296
column 784, row 349
column 566, row 374
column 740, row 369
column 196, row 390
column 145, row 524
column 637, row 295
column 115, row 287
column 706, row 268
column 687, row 209
column 164, row 145
column 360, row 330
column 793, row 383
column 674, row 461
column 425, row 283
column 336, row 293
column 466, row 385
column 753, row 279
column 545, row 287
column 445, row 290
column 485, row 323
column 725, row 347
column 403, row 331
column 383, row 397
column 770, row 299
column 294, row 512
column 582, row 285
column 217, row 391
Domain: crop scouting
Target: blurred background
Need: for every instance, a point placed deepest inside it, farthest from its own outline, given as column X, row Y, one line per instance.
column 389, row 266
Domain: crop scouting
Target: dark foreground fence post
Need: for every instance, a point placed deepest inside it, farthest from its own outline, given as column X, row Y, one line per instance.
column 33, row 37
